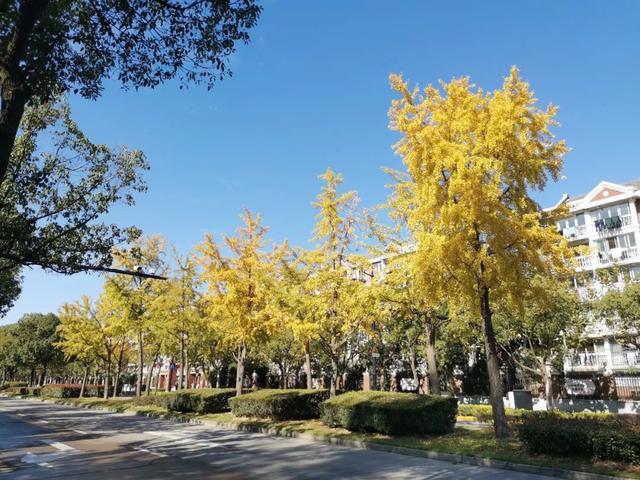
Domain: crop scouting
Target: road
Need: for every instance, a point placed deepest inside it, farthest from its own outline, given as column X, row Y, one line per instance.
column 46, row 441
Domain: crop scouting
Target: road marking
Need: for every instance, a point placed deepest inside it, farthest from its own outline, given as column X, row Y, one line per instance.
column 43, row 421
column 59, row 445
column 81, row 432
column 21, row 414
column 156, row 454
column 169, row 435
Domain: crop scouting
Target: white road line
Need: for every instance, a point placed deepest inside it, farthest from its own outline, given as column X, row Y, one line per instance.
column 43, row 421
column 58, row 445
column 169, row 435
column 81, row 432
column 156, row 454
column 21, row 414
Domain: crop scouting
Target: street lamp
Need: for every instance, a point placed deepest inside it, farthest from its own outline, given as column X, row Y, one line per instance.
column 374, row 378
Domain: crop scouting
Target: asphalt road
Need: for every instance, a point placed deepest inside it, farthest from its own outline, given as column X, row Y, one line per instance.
column 46, row 441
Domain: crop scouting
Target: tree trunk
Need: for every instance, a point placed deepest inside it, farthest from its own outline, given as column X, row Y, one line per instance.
column 42, row 376
column 548, row 387
column 147, row 391
column 242, row 353
column 333, row 387
column 107, row 377
column 307, row 364
column 84, row 381
column 169, row 376
column 187, row 368
column 414, row 370
column 500, row 426
column 181, row 371
column 118, row 371
column 432, row 361
column 140, row 365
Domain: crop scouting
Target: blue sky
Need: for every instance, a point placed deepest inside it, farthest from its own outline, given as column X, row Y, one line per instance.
column 311, row 91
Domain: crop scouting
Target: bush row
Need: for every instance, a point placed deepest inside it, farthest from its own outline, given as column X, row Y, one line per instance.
column 602, row 438
column 205, row 400
column 294, row 404
column 391, row 413
column 71, row 390
column 159, row 399
column 12, row 385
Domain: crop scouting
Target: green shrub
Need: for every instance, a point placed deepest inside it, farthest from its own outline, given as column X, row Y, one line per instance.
column 12, row 385
column 17, row 390
column 205, row 400
column 391, row 413
column 293, row 404
column 34, row 391
column 483, row 412
column 556, row 436
column 93, row 391
column 30, row 391
column 603, row 437
column 61, row 390
column 159, row 399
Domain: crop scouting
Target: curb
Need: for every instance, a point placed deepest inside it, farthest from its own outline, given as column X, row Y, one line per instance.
column 411, row 452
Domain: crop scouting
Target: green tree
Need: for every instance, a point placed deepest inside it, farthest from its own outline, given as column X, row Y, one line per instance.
column 538, row 332
column 472, row 160
column 49, row 46
column 621, row 310
column 51, row 203
column 9, row 361
column 36, row 339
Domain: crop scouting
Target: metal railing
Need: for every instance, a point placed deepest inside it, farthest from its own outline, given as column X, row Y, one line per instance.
column 621, row 360
column 606, row 258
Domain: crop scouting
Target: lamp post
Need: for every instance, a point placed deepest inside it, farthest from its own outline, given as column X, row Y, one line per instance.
column 374, row 378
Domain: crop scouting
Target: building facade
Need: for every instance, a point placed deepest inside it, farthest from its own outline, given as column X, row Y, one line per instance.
column 606, row 223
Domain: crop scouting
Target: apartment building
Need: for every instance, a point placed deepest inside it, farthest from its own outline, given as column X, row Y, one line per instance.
column 606, row 221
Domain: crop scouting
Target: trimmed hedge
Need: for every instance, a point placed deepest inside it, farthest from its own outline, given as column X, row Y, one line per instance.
column 12, row 385
column 203, row 400
column 605, row 437
column 391, row 413
column 71, row 390
column 293, row 404
column 159, row 399
column 483, row 412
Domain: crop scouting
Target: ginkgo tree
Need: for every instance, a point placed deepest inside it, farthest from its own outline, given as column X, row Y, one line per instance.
column 340, row 301
column 177, row 306
column 407, row 306
column 473, row 158
column 295, row 304
column 91, row 334
column 135, row 294
column 238, row 288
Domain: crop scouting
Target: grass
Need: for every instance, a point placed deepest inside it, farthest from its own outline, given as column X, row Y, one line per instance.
column 471, row 442
column 475, row 442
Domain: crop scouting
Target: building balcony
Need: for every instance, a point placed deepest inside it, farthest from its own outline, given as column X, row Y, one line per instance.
column 593, row 362
column 576, row 233
column 608, row 258
column 604, row 227
column 601, row 228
